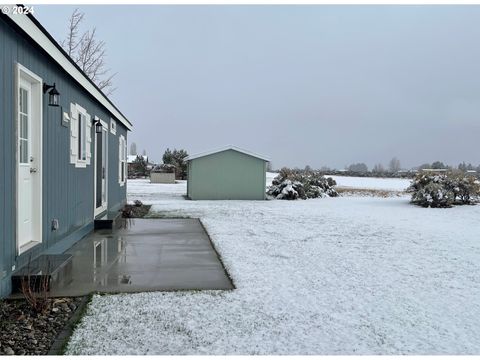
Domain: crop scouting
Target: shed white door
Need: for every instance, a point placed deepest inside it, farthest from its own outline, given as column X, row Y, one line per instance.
column 29, row 207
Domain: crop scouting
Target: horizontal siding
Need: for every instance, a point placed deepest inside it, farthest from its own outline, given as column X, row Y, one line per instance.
column 67, row 191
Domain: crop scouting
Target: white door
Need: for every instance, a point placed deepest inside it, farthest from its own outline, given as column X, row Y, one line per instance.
column 29, row 165
column 101, row 173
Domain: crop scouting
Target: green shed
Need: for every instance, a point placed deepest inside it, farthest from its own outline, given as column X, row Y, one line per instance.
column 229, row 173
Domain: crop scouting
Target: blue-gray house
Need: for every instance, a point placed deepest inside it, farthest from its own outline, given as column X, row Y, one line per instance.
column 62, row 146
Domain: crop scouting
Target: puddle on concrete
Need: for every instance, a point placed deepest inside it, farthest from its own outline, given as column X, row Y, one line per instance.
column 146, row 255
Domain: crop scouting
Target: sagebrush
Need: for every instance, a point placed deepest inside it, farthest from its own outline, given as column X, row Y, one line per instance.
column 292, row 184
column 444, row 190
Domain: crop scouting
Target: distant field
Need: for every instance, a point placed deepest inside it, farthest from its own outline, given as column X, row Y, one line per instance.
column 371, row 183
column 362, row 183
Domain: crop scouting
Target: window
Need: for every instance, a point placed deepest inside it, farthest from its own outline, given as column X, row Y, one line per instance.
column 122, row 159
column 23, row 123
column 82, row 140
column 113, row 126
column 80, row 136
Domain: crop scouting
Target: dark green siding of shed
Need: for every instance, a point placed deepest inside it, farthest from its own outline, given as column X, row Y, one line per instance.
column 67, row 191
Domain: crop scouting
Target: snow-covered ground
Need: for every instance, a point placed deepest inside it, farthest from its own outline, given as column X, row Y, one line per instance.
column 371, row 183
column 143, row 190
column 346, row 275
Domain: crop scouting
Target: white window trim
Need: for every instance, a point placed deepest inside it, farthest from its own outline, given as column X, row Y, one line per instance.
column 99, row 210
column 122, row 161
column 82, row 137
column 113, row 126
column 81, row 163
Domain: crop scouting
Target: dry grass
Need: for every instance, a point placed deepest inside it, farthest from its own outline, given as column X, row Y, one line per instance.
column 348, row 191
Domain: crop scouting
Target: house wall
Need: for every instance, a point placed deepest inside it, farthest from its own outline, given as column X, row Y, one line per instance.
column 67, row 190
column 226, row 175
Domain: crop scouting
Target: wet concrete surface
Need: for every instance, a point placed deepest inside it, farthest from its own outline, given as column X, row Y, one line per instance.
column 145, row 255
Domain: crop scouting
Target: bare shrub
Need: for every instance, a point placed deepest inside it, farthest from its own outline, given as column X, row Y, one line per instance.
column 35, row 290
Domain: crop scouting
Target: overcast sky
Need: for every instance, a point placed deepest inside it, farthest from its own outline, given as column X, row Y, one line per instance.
column 318, row 85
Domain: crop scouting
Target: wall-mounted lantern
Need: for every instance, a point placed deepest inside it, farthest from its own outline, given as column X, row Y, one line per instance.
column 98, row 125
column 53, row 94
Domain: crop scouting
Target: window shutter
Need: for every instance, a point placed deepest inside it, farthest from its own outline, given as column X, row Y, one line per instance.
column 120, row 164
column 73, row 134
column 89, row 139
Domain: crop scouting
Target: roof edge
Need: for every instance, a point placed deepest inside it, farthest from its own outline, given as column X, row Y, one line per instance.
column 225, row 148
column 32, row 27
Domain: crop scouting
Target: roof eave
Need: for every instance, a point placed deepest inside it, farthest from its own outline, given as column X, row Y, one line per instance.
column 226, row 148
column 30, row 26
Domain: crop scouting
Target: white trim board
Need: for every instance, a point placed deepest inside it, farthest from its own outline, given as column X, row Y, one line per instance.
column 103, row 208
column 21, row 72
column 225, row 148
column 37, row 35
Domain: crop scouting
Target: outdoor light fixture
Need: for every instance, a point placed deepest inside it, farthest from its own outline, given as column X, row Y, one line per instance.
column 98, row 126
column 52, row 94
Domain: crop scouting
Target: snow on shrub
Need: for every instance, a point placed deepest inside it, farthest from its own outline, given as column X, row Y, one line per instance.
column 444, row 190
column 300, row 184
column 164, row 168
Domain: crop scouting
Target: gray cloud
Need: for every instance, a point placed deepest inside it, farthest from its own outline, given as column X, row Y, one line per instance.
column 317, row 85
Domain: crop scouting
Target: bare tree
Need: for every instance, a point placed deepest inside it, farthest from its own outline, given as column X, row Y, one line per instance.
column 88, row 52
column 70, row 44
column 359, row 168
column 394, row 165
column 378, row 168
column 133, row 148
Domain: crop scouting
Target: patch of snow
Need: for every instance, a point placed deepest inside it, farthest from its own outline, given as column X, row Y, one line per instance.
column 143, row 190
column 132, row 158
column 270, row 177
column 325, row 276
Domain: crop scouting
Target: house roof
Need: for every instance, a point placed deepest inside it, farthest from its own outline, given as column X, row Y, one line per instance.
column 42, row 38
column 225, row 148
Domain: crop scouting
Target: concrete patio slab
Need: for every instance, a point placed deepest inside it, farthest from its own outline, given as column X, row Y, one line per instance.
column 146, row 255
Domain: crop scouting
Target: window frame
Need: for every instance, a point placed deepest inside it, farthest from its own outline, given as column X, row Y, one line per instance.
column 122, row 160
column 82, row 135
column 27, row 129
column 113, row 126
column 81, row 158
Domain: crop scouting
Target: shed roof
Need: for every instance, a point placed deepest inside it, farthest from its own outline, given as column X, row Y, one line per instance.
column 42, row 38
column 225, row 148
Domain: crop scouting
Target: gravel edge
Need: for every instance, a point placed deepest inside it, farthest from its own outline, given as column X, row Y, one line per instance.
column 60, row 342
